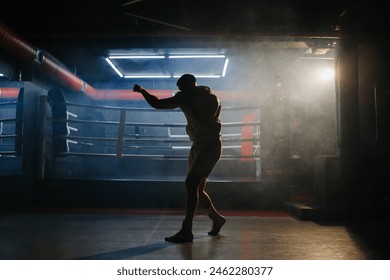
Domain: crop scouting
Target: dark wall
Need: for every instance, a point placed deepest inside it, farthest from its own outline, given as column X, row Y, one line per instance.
column 374, row 125
column 359, row 184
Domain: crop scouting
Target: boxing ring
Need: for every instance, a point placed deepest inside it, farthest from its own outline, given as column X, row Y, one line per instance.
column 153, row 142
column 8, row 136
column 11, row 126
column 84, row 152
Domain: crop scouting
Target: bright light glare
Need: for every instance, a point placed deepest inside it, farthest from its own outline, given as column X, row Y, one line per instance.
column 136, row 57
column 225, row 67
column 114, row 67
column 197, row 56
column 111, row 58
column 327, row 74
column 146, row 76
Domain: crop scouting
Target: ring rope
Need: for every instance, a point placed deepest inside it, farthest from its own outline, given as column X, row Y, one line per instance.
column 150, row 109
column 228, row 124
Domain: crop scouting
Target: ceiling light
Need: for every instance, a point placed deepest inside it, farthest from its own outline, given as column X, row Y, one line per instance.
column 146, row 76
column 168, row 66
column 136, row 56
column 225, row 67
column 114, row 67
column 196, row 56
column 199, row 76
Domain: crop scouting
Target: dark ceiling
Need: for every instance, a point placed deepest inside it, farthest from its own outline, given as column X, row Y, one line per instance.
column 80, row 34
column 118, row 18
column 121, row 18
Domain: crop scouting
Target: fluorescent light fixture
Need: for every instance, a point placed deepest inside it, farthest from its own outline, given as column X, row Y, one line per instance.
column 137, row 71
column 225, row 67
column 114, row 67
column 136, row 56
column 197, row 56
column 199, row 76
column 146, row 76
column 208, row 76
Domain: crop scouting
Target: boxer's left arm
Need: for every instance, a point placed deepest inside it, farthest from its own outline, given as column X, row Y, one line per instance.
column 154, row 101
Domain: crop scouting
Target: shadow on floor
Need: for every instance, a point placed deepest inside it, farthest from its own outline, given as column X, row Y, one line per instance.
column 128, row 253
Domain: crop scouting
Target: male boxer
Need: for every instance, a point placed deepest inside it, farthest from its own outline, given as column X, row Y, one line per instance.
column 202, row 110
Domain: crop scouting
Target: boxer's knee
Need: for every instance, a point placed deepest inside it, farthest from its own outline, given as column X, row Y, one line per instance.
column 193, row 181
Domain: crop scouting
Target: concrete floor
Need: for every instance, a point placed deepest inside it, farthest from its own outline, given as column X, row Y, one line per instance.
column 121, row 234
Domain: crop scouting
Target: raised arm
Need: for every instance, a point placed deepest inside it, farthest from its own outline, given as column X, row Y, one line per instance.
column 154, row 101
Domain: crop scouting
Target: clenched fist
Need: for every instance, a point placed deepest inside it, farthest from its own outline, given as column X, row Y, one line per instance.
column 137, row 88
